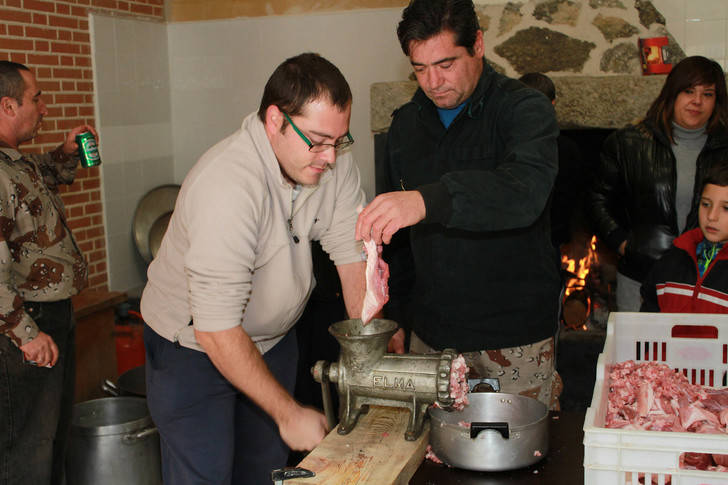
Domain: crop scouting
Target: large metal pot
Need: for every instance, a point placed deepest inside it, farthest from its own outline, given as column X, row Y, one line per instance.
column 506, row 431
column 113, row 442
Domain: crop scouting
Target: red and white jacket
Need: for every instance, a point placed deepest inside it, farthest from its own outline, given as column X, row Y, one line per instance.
column 673, row 284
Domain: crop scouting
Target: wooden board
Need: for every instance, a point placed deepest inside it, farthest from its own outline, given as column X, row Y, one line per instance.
column 374, row 453
column 95, row 342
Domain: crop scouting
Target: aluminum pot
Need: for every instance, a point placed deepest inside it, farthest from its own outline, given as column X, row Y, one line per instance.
column 506, row 432
column 113, row 442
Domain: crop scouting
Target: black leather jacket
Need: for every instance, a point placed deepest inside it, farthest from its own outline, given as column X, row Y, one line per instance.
column 633, row 195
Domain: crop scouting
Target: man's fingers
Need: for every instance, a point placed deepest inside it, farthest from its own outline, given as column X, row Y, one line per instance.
column 361, row 227
column 390, row 229
column 367, row 218
column 54, row 355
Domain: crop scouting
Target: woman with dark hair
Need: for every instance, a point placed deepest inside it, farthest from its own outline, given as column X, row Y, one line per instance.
column 645, row 191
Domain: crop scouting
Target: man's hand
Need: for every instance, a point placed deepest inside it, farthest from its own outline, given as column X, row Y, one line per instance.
column 42, row 350
column 303, row 429
column 388, row 213
column 396, row 343
column 70, row 146
column 237, row 358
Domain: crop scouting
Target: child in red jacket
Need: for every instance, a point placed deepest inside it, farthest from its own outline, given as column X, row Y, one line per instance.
column 692, row 276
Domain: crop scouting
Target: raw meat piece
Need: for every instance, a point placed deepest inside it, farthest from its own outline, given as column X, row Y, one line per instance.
column 377, row 275
column 720, row 460
column 695, row 413
column 430, row 455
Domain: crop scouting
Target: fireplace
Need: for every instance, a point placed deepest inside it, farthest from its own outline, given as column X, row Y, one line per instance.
column 588, row 266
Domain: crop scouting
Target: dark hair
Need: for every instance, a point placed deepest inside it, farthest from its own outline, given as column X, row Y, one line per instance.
column 11, row 82
column 424, row 19
column 540, row 82
column 301, row 79
column 691, row 71
column 717, row 174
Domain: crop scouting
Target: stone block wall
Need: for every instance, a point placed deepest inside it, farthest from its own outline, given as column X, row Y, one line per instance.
column 591, row 37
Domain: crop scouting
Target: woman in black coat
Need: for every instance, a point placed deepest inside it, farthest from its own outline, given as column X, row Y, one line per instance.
column 644, row 190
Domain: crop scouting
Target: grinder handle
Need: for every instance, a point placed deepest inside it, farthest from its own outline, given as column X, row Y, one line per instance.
column 500, row 426
column 326, row 396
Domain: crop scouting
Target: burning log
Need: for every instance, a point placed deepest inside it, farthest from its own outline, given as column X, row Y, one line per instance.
column 576, row 309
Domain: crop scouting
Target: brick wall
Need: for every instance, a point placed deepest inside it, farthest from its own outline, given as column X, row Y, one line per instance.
column 52, row 38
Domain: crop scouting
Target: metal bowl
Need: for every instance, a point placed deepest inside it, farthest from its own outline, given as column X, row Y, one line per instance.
column 152, row 210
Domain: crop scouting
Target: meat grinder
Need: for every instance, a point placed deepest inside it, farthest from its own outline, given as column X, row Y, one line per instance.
column 366, row 374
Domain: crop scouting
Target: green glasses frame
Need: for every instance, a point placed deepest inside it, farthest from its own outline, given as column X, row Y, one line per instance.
column 320, row 147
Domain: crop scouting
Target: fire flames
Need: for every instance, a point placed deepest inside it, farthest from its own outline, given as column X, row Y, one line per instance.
column 577, row 285
column 582, row 270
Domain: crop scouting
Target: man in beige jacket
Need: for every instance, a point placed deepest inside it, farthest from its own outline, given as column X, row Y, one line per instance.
column 233, row 275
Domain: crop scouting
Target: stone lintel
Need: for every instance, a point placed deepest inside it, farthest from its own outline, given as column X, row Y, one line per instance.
column 582, row 102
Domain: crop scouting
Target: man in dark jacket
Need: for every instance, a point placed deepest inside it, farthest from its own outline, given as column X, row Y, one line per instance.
column 472, row 159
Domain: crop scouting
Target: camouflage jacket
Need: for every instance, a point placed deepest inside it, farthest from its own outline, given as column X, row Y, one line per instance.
column 39, row 259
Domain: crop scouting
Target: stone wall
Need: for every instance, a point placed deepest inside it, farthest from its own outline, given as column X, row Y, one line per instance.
column 592, row 37
column 588, row 47
column 582, row 102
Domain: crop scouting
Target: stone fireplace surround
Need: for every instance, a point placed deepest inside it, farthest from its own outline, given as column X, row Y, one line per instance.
column 597, row 103
column 582, row 102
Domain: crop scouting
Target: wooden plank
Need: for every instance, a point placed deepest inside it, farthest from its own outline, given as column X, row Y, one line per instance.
column 375, row 452
column 92, row 301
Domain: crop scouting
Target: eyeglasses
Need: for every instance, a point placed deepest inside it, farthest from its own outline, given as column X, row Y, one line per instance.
column 321, row 147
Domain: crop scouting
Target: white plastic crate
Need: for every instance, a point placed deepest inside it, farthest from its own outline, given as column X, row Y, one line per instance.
column 695, row 344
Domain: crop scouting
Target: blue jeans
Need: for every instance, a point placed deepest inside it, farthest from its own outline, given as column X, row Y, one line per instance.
column 211, row 433
column 36, row 402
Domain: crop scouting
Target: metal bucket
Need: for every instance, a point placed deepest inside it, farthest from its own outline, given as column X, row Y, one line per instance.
column 494, row 432
column 113, row 442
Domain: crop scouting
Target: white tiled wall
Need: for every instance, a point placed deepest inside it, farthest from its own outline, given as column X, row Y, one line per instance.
column 219, row 69
column 131, row 73
column 700, row 26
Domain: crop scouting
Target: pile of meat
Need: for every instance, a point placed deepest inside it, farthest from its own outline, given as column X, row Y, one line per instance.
column 459, row 390
column 377, row 275
column 653, row 397
column 459, row 383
